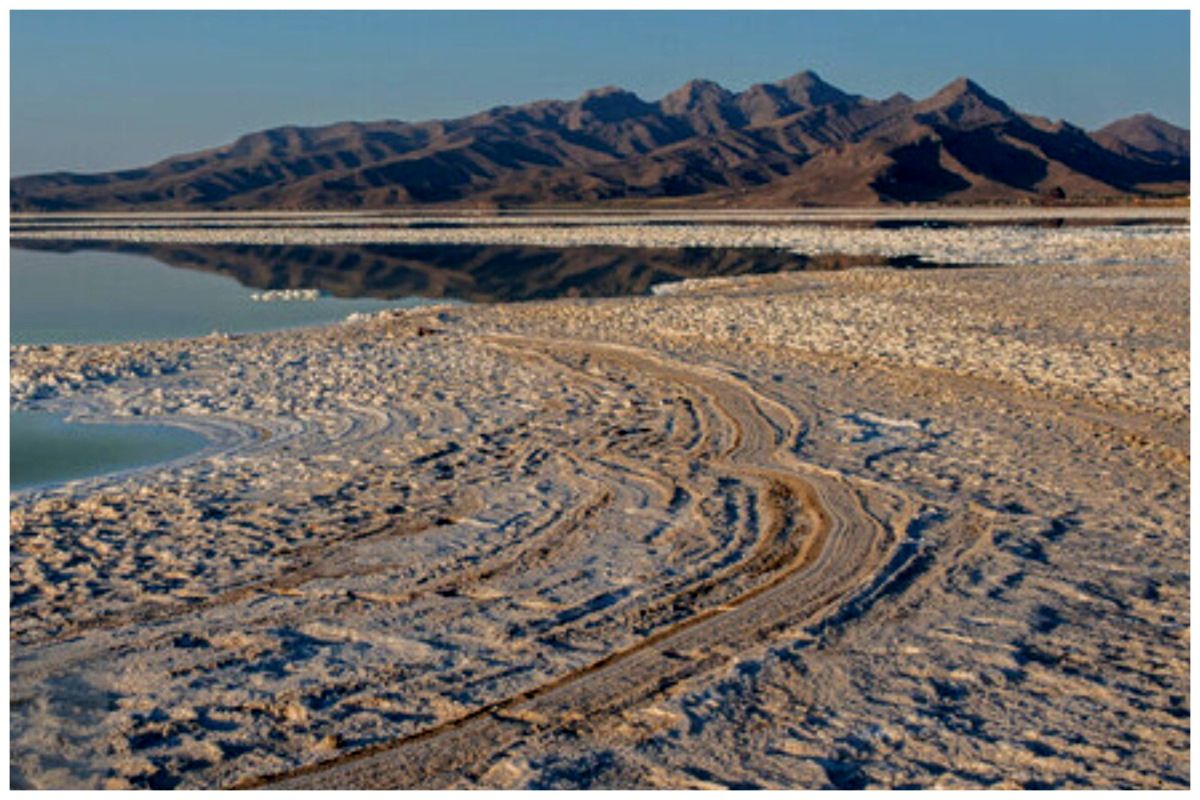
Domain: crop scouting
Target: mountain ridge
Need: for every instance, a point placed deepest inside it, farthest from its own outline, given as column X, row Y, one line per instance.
column 797, row 141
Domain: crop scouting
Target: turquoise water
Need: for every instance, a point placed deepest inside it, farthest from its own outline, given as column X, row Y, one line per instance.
column 112, row 297
column 44, row 449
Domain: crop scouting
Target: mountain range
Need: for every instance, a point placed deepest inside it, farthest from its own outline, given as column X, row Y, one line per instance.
column 795, row 142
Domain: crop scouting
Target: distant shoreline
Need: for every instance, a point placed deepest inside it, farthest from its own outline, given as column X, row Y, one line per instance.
column 961, row 237
column 1164, row 210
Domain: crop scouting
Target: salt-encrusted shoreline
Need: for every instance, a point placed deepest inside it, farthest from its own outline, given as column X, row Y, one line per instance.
column 221, row 436
column 840, row 215
column 984, row 245
column 872, row 527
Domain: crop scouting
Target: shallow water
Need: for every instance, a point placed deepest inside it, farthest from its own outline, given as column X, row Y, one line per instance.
column 91, row 296
column 474, row 273
column 44, row 449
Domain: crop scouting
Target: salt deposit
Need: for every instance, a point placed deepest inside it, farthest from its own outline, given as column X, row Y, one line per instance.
column 865, row 528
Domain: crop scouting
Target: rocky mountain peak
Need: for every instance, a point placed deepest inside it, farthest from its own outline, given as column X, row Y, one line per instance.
column 964, row 102
column 610, row 104
column 806, row 89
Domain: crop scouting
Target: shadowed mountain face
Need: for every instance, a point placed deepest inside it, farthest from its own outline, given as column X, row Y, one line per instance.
column 476, row 273
column 799, row 141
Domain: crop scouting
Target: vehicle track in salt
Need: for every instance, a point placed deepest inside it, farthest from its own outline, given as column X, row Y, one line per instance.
column 818, row 545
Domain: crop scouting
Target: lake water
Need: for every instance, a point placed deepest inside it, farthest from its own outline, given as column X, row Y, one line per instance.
column 92, row 296
column 44, row 449
column 397, row 272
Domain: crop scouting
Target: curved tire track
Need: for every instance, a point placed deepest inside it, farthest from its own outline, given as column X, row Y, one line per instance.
column 819, row 545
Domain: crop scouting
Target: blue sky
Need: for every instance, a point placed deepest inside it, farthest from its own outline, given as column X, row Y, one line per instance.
column 102, row 90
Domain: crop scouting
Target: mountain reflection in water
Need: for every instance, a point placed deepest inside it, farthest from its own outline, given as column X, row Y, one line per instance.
column 475, row 273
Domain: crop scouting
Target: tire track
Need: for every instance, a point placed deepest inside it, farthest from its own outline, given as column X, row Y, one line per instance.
column 818, row 545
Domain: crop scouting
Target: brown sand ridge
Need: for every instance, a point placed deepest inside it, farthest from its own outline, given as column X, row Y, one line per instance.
column 865, row 528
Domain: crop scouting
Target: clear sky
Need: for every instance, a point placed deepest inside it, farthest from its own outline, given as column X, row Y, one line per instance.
column 102, row 90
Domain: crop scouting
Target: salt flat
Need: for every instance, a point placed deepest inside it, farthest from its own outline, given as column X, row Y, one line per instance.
column 861, row 528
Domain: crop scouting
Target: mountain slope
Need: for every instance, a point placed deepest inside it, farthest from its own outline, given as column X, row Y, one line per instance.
column 797, row 141
column 1145, row 136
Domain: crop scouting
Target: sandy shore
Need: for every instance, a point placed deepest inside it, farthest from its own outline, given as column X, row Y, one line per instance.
column 865, row 528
